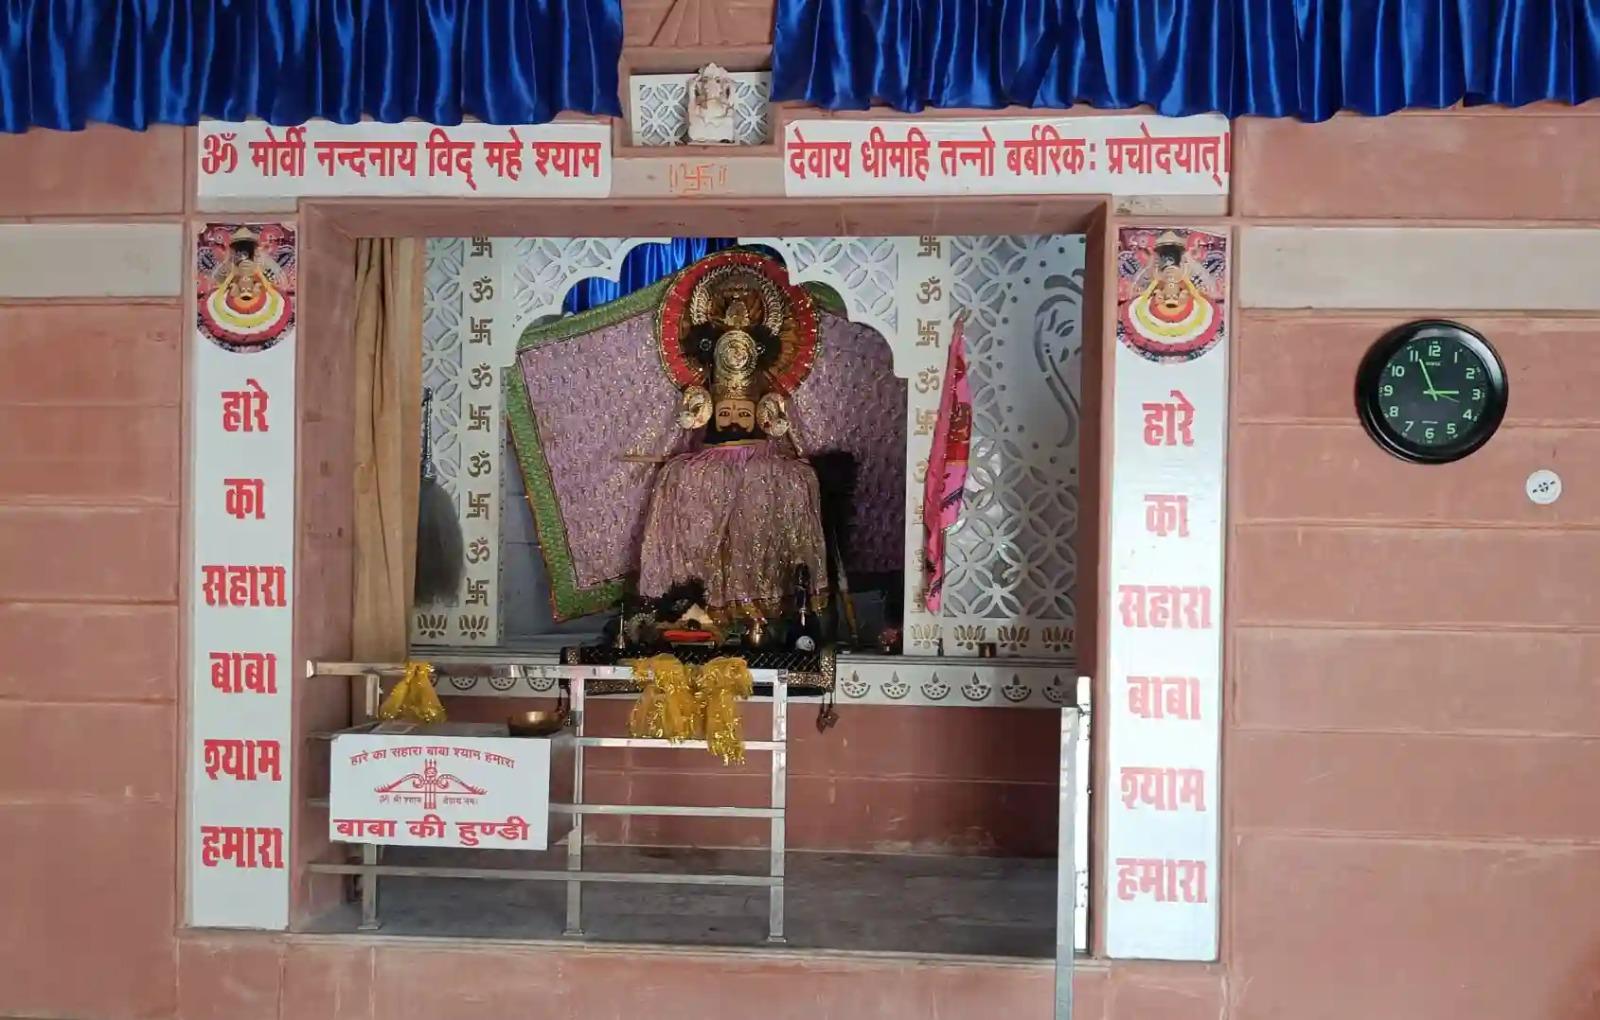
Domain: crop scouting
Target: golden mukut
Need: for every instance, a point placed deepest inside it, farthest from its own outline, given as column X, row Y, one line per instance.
column 739, row 511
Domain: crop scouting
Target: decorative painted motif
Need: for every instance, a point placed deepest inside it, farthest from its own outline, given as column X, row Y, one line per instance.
column 1171, row 293
column 243, row 540
column 1169, row 428
column 245, row 280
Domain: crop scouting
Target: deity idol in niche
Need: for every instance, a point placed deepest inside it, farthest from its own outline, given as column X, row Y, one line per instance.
column 739, row 510
column 1174, row 312
column 710, row 110
column 246, row 309
column 637, row 486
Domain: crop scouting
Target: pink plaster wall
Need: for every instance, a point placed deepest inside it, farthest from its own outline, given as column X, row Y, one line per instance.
column 1414, row 654
column 1407, row 834
column 90, row 489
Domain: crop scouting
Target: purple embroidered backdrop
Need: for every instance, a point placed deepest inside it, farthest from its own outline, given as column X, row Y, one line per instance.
column 852, row 401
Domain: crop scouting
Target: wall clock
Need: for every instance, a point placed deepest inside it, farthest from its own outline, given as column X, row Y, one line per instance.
column 1431, row 392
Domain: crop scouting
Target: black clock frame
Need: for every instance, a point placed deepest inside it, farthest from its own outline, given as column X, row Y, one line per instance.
column 1368, row 404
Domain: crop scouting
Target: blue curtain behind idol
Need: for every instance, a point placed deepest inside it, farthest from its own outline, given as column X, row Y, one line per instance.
column 641, row 267
column 1278, row 58
column 67, row 63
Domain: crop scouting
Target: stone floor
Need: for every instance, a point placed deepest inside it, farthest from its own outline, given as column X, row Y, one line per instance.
column 865, row 902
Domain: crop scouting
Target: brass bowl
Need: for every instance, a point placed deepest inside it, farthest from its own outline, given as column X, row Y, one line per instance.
column 536, row 724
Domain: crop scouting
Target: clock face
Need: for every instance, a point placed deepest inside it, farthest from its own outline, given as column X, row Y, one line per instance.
column 1431, row 392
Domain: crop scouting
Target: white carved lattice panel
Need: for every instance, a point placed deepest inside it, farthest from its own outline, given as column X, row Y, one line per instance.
column 441, row 352
column 465, row 310
column 864, row 271
column 1010, row 562
column 543, row 269
column 659, row 113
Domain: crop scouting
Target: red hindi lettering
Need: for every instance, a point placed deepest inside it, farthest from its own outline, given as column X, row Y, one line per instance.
column 429, row 826
column 352, row 155
column 1131, row 155
column 247, row 847
column 1164, row 607
column 1164, row 789
column 1045, row 151
column 391, row 159
column 1166, row 515
column 356, row 828
column 1182, row 697
column 957, row 153
column 221, row 155
column 505, row 158
column 906, row 158
column 449, row 157
column 1146, row 154
column 245, row 410
column 1163, row 879
column 1162, row 697
column 1169, row 423
column 566, row 159
column 244, row 760
column 241, row 586
column 238, row 672
column 244, row 497
column 287, row 156
column 817, row 159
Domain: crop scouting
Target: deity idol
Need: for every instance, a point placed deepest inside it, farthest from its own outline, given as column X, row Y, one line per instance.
column 682, row 437
column 1174, row 314
column 739, row 510
column 710, row 111
column 246, row 310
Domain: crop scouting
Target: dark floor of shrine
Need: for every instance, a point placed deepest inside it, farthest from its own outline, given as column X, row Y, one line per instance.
column 969, row 906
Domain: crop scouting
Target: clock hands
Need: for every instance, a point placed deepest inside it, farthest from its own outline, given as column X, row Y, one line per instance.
column 1430, row 391
column 1449, row 395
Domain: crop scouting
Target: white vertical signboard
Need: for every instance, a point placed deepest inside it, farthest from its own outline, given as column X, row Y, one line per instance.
column 242, row 563
column 1165, row 653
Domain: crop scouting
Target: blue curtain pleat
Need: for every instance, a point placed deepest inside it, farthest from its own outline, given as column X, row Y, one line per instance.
column 641, row 267
column 68, row 63
column 1280, row 58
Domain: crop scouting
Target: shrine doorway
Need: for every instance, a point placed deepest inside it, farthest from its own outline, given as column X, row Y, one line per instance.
column 326, row 372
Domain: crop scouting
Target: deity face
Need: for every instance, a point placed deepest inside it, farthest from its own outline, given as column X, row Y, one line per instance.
column 246, row 284
column 1170, row 290
column 736, row 415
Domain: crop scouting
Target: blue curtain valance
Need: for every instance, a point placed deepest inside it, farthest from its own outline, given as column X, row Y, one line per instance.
column 1276, row 58
column 67, row 63
column 641, row 267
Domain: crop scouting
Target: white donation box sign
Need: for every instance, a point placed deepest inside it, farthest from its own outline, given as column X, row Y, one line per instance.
column 430, row 789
